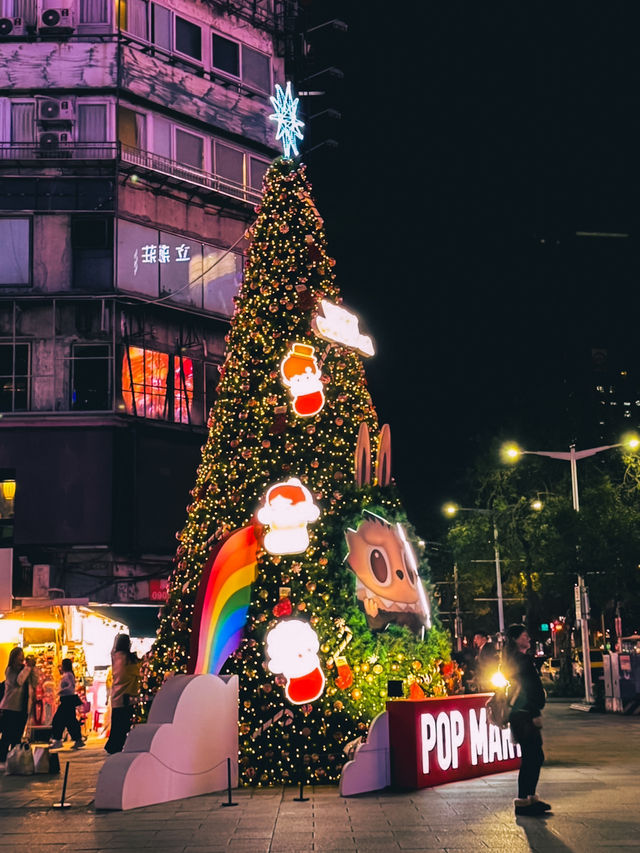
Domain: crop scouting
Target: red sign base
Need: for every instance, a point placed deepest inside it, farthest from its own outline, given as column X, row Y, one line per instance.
column 435, row 741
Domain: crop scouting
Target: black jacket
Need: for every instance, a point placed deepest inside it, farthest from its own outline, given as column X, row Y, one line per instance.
column 525, row 685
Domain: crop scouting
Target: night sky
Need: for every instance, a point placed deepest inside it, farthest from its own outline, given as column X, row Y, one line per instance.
column 475, row 143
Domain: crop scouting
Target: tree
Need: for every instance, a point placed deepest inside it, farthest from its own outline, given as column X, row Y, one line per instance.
column 266, row 430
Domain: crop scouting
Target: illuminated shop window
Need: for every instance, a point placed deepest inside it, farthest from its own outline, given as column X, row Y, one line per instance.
column 157, row 385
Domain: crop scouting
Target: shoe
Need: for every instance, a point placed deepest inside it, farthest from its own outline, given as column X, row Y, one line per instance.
column 545, row 806
column 529, row 807
column 55, row 744
column 78, row 744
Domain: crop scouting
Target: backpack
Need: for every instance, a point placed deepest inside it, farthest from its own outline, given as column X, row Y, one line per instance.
column 500, row 705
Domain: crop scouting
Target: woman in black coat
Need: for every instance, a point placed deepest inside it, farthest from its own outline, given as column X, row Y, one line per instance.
column 527, row 698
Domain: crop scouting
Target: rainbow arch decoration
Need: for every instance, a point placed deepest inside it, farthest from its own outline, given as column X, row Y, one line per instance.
column 222, row 601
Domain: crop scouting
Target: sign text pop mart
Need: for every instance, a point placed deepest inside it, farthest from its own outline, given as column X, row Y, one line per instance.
column 444, row 740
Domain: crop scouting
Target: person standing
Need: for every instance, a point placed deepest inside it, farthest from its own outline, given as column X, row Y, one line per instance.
column 124, row 668
column 485, row 663
column 14, row 705
column 65, row 716
column 527, row 699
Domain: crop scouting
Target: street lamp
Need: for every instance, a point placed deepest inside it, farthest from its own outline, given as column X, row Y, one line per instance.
column 451, row 510
column 511, row 452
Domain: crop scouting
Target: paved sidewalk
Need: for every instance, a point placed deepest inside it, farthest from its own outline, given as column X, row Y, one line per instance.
column 592, row 778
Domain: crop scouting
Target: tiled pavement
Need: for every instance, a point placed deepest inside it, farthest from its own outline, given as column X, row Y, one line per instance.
column 592, row 777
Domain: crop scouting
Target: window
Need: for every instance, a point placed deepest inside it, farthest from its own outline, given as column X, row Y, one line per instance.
column 90, row 380
column 23, row 126
column 92, row 122
column 133, row 18
column 15, row 240
column 180, row 265
column 93, row 12
column 161, row 26
column 92, row 252
column 222, row 275
column 157, row 385
column 14, row 377
column 212, row 378
column 137, row 258
column 226, row 55
column 255, row 69
column 241, row 61
column 189, row 149
column 131, row 128
column 188, row 38
column 238, row 166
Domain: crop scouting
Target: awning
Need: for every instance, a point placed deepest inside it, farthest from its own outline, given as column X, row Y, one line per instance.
column 141, row 620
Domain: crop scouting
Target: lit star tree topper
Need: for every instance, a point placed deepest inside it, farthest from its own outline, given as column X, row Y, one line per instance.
column 289, row 125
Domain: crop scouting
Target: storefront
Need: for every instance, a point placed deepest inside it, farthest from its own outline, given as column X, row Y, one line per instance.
column 53, row 633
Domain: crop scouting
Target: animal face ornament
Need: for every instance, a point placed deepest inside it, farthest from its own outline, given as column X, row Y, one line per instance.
column 388, row 586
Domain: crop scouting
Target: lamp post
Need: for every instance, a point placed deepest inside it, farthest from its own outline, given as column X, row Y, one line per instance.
column 572, row 456
column 452, row 509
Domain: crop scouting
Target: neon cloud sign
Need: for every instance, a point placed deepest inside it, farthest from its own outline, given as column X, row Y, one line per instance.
column 302, row 377
column 340, row 326
column 292, row 650
column 288, row 508
column 289, row 125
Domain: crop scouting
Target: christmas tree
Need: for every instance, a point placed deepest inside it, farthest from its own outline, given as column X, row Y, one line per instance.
column 292, row 408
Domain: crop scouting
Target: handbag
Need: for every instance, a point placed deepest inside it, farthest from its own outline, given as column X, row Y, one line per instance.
column 20, row 760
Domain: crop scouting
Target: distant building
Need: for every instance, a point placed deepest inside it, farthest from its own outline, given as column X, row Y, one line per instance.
column 133, row 141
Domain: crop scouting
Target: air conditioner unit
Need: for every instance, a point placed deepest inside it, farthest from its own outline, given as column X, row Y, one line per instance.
column 59, row 20
column 54, row 110
column 12, row 27
column 55, row 143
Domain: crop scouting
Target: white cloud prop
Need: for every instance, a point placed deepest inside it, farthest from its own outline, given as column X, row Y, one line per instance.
column 181, row 751
column 370, row 768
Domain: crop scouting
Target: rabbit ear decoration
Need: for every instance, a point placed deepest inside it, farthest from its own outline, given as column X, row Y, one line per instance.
column 383, row 463
column 363, row 456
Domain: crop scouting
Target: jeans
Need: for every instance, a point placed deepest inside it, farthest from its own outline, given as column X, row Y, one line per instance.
column 120, row 725
column 65, row 718
column 529, row 737
column 12, row 725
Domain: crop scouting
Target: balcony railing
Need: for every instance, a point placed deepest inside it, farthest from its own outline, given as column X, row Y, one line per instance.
column 155, row 163
column 144, row 160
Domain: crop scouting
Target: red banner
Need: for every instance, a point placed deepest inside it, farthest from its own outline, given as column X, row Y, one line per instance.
column 435, row 741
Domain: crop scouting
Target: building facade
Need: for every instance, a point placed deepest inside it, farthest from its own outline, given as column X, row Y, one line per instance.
column 133, row 142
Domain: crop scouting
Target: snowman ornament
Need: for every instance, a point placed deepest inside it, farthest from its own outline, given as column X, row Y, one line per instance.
column 288, row 508
column 303, row 379
column 292, row 650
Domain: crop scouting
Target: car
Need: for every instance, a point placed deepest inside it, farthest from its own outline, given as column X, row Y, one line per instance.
column 550, row 669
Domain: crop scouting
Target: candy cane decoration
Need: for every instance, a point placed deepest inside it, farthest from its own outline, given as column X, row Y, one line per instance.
column 287, row 713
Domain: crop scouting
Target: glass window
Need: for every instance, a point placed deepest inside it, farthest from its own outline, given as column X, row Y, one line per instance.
column 255, row 69
column 157, row 385
column 92, row 252
column 211, row 380
column 90, row 380
column 162, row 137
column 257, row 170
column 226, row 55
column 23, row 127
column 229, row 163
column 222, row 276
column 93, row 12
column 15, row 243
column 92, row 122
column 134, row 18
column 180, row 264
column 188, row 38
column 137, row 258
column 189, row 149
column 14, row 377
column 161, row 19
column 131, row 126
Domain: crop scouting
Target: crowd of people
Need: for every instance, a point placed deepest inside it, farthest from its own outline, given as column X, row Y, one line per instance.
column 18, row 696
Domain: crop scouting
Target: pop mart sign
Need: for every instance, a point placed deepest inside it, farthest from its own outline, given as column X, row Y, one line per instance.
column 444, row 740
